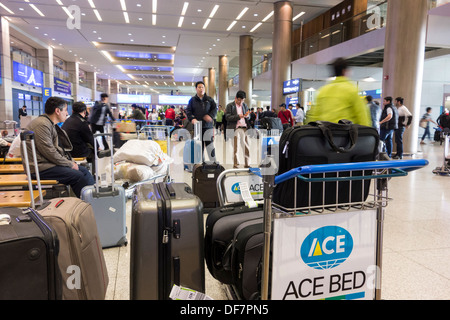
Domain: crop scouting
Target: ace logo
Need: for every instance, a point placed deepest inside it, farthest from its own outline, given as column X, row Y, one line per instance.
column 327, row 248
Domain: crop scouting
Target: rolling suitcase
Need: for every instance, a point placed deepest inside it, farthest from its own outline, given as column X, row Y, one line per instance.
column 167, row 245
column 204, row 180
column 29, row 250
column 109, row 205
column 220, row 227
column 81, row 262
column 324, row 143
column 246, row 258
column 81, row 258
column 192, row 152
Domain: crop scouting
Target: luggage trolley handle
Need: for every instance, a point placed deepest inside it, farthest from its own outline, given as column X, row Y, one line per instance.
column 110, row 135
column 24, row 136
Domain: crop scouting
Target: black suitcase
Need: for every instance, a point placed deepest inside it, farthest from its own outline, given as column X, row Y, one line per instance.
column 167, row 241
column 246, row 259
column 204, row 179
column 29, row 250
column 220, row 225
column 325, row 143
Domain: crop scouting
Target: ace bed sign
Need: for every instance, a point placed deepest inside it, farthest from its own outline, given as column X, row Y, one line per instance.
column 329, row 256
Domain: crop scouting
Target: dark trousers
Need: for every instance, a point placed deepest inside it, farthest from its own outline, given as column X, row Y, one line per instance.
column 208, row 144
column 101, row 129
column 386, row 136
column 77, row 179
column 399, row 140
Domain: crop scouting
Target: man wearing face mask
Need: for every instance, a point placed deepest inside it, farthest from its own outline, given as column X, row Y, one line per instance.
column 203, row 108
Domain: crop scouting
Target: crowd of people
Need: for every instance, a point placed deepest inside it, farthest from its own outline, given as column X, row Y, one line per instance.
column 60, row 138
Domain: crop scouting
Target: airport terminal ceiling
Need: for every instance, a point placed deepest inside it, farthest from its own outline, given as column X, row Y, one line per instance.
column 153, row 41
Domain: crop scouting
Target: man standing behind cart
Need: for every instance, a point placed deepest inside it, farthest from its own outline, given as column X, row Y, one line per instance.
column 339, row 100
column 203, row 108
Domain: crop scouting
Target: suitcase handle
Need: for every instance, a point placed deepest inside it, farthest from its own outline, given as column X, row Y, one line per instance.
column 345, row 125
column 110, row 135
column 24, row 136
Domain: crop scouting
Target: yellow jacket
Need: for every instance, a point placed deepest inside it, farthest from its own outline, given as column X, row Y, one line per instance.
column 339, row 100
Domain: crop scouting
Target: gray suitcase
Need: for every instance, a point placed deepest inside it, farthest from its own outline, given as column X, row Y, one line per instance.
column 166, row 241
column 109, row 205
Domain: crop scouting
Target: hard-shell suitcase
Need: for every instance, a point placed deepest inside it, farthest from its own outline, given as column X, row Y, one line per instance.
column 109, row 205
column 81, row 262
column 246, row 258
column 324, row 143
column 192, row 152
column 81, row 258
column 220, row 227
column 167, row 244
column 204, row 180
column 29, row 250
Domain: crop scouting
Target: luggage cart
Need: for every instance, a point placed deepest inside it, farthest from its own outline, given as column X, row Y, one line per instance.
column 159, row 134
column 331, row 251
column 444, row 170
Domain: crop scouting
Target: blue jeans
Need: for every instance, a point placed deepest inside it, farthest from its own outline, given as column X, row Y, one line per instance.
column 399, row 140
column 386, row 136
column 426, row 133
column 77, row 179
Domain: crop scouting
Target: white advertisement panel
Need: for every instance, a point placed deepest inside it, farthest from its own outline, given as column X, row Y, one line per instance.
column 233, row 191
column 325, row 257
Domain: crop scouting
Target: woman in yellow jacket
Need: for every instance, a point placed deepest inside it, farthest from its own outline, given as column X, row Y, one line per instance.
column 339, row 100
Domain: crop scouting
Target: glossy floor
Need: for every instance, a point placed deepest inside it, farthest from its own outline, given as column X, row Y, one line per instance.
column 416, row 250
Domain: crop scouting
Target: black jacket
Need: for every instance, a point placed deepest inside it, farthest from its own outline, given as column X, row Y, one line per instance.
column 393, row 123
column 97, row 112
column 197, row 108
column 80, row 135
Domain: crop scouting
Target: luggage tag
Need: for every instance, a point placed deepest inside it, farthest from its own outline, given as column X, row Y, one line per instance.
column 181, row 293
column 247, row 196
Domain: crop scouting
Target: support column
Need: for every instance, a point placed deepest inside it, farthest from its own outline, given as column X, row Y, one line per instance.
column 404, row 63
column 46, row 55
column 245, row 67
column 212, row 83
column 73, row 69
column 6, row 98
column 206, row 82
column 91, row 78
column 281, row 48
column 223, row 83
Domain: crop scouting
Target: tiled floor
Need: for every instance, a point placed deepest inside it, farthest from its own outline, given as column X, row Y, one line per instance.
column 416, row 251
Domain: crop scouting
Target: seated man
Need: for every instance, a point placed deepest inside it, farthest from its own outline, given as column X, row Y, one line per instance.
column 79, row 132
column 52, row 147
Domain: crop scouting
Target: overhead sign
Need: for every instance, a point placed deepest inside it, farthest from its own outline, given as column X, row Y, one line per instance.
column 27, row 75
column 62, row 86
column 292, row 86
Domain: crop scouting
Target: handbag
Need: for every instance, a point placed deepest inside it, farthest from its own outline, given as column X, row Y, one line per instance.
column 423, row 123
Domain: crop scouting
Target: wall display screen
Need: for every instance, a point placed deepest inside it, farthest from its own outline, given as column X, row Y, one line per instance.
column 165, row 99
column 134, row 98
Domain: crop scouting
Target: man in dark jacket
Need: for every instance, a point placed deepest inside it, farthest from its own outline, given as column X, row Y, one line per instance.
column 99, row 115
column 80, row 135
column 203, row 108
column 388, row 123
